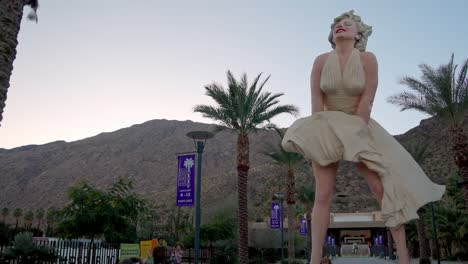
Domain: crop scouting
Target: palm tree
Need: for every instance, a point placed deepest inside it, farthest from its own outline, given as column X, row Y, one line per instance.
column 17, row 215
column 5, row 213
column 243, row 109
column 451, row 219
column 40, row 213
column 419, row 153
column 51, row 218
column 291, row 161
column 306, row 195
column 28, row 219
column 453, row 226
column 441, row 93
column 11, row 13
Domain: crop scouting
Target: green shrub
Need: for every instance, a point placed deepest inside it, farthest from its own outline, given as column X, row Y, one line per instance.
column 24, row 250
column 5, row 234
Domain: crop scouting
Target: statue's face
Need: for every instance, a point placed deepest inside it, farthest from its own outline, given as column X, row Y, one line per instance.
column 345, row 29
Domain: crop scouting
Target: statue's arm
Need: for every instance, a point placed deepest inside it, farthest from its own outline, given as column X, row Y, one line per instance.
column 367, row 97
column 316, row 92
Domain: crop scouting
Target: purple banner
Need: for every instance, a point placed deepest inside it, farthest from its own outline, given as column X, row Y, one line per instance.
column 303, row 227
column 275, row 216
column 186, row 180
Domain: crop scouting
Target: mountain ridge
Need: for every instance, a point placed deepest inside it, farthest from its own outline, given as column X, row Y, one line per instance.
column 38, row 175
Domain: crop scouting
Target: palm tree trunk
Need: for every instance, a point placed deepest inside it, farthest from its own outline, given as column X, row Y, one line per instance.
column 422, row 238
column 309, row 234
column 11, row 12
column 242, row 174
column 291, row 200
column 460, row 155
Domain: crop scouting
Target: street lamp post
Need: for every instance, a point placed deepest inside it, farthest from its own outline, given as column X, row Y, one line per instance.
column 199, row 138
column 280, row 196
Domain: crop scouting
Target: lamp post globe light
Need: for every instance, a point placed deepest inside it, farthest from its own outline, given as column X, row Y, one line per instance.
column 199, row 139
column 280, row 197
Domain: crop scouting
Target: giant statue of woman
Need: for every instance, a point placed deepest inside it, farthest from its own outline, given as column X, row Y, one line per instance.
column 343, row 84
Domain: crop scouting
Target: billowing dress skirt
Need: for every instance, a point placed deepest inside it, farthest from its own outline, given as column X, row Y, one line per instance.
column 329, row 136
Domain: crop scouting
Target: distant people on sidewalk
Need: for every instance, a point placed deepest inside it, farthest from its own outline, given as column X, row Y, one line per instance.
column 159, row 252
column 177, row 254
column 355, row 248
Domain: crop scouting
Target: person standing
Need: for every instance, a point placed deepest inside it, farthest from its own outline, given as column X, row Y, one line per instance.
column 177, row 254
column 159, row 253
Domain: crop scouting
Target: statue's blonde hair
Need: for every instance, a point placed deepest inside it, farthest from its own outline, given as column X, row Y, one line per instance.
column 364, row 31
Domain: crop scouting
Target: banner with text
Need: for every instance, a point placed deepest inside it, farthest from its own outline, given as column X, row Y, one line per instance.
column 303, row 227
column 146, row 249
column 129, row 250
column 186, row 180
column 275, row 216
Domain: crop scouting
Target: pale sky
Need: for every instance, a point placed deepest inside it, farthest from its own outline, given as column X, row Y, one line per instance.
column 97, row 66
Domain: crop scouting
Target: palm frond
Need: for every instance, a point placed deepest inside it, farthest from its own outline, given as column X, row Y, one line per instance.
column 461, row 90
column 277, row 130
column 275, row 153
column 306, row 195
column 261, row 104
column 418, row 151
column 421, row 87
column 216, row 114
column 269, row 114
column 439, row 92
column 34, row 4
column 242, row 106
column 218, row 94
column 410, row 101
column 278, row 154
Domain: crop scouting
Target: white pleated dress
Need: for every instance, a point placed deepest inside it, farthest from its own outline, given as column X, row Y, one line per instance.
column 336, row 134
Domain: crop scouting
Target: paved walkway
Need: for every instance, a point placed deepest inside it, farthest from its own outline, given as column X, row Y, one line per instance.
column 350, row 260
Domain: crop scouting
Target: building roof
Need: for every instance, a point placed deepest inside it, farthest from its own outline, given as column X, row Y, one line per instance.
column 356, row 220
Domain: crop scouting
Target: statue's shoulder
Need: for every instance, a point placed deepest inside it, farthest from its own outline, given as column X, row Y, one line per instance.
column 321, row 59
column 367, row 56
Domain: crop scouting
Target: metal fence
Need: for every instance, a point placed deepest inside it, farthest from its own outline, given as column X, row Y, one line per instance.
column 77, row 252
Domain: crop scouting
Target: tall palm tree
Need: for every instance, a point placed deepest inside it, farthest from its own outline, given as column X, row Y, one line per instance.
column 5, row 213
column 17, row 215
column 40, row 213
column 443, row 94
column 243, row 109
column 11, row 13
column 51, row 218
column 290, row 161
column 419, row 153
column 28, row 219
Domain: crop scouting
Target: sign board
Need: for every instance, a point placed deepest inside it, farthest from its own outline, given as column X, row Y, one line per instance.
column 146, row 249
column 275, row 216
column 129, row 250
column 302, row 227
column 186, row 180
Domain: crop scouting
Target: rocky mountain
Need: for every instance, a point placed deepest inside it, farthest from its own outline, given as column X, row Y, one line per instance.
column 38, row 175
